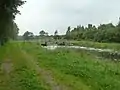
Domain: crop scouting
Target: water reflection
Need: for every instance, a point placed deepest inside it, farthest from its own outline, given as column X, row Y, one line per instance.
column 78, row 47
column 105, row 53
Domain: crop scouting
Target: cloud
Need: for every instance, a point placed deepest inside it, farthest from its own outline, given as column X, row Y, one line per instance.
column 50, row 15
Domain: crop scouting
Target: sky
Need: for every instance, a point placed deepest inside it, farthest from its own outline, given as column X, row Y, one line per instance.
column 51, row 15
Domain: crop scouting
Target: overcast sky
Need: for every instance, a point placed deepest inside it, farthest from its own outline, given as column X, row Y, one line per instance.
column 51, row 15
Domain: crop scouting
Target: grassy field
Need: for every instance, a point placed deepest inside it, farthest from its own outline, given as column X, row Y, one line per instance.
column 17, row 70
column 34, row 68
column 114, row 46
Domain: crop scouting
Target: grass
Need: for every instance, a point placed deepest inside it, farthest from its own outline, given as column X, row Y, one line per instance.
column 78, row 69
column 23, row 76
column 114, row 46
column 72, row 68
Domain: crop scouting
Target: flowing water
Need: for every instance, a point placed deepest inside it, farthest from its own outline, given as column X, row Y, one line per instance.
column 105, row 53
column 78, row 47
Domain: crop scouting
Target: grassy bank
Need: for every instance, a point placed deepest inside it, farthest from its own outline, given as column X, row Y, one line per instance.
column 114, row 46
column 76, row 69
column 17, row 72
column 27, row 66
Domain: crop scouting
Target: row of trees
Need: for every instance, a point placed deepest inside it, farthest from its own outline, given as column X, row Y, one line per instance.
column 8, row 11
column 29, row 35
column 102, row 33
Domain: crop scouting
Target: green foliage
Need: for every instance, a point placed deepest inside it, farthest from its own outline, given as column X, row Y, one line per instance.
column 42, row 33
column 24, row 75
column 113, row 46
column 8, row 10
column 56, row 36
column 102, row 33
column 68, row 33
column 79, row 69
column 13, row 31
column 55, row 33
column 28, row 35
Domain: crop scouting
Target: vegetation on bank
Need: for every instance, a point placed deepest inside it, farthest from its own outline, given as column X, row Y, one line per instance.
column 80, row 70
column 74, row 69
column 113, row 46
column 102, row 33
column 8, row 27
column 27, row 66
column 17, row 71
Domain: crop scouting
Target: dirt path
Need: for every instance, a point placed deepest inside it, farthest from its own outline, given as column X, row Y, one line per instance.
column 7, row 66
column 46, row 75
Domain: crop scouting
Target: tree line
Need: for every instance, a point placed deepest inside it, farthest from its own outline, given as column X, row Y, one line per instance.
column 102, row 33
column 8, row 11
column 9, row 29
column 30, row 36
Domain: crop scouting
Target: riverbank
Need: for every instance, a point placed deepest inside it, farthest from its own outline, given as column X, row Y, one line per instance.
column 113, row 46
column 77, row 69
column 27, row 66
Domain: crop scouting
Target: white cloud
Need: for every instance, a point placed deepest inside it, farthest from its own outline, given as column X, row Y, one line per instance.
column 50, row 15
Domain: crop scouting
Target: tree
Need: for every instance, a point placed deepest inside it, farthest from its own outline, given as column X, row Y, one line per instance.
column 118, row 25
column 56, row 33
column 42, row 33
column 46, row 34
column 102, row 33
column 56, row 36
column 8, row 10
column 90, row 26
column 69, row 28
column 68, row 33
column 28, row 35
column 14, row 31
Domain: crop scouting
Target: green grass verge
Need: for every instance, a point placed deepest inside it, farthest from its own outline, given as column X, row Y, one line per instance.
column 23, row 75
column 77, row 69
column 114, row 46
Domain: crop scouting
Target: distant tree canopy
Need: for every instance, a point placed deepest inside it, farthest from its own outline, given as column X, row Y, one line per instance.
column 28, row 35
column 102, row 33
column 56, row 33
column 68, row 33
column 43, row 33
column 56, row 36
column 14, row 31
column 8, row 10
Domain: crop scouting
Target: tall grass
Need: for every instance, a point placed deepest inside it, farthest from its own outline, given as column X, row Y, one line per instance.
column 114, row 46
column 78, row 69
column 23, row 76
